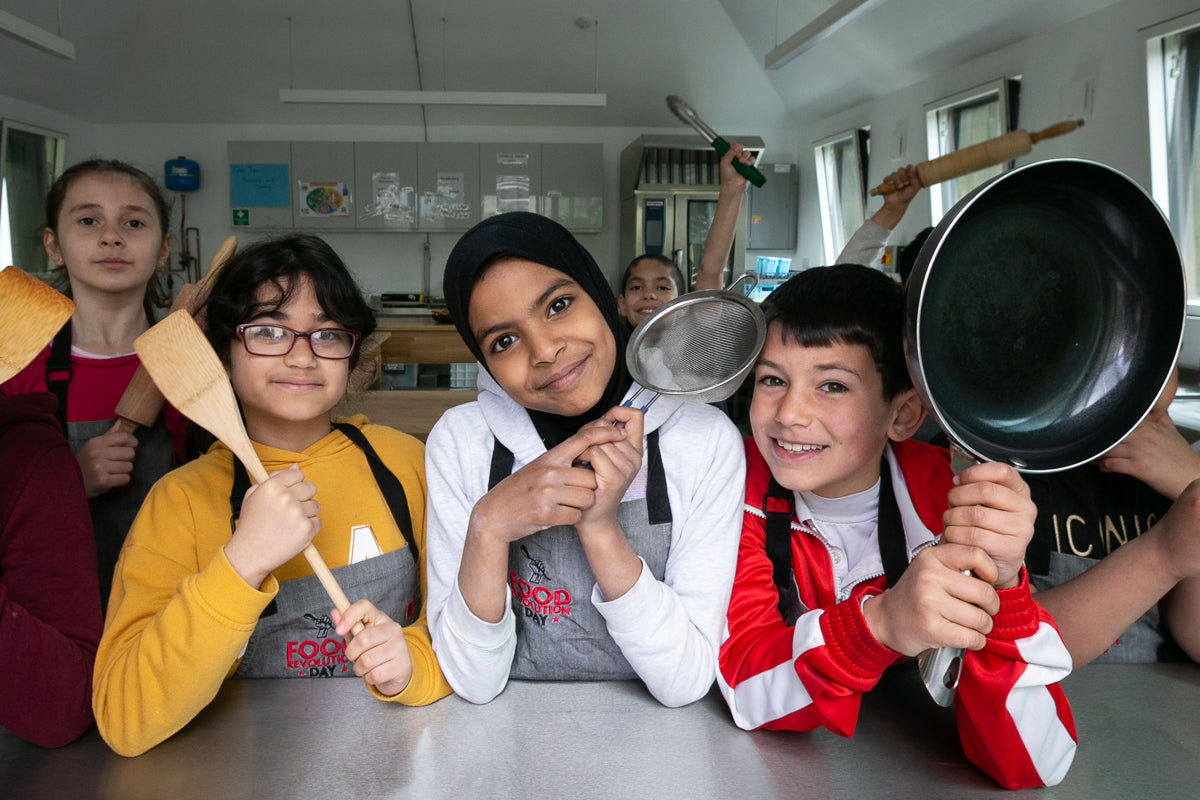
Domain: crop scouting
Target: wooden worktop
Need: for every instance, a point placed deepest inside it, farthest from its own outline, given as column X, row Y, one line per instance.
column 412, row 340
column 421, row 340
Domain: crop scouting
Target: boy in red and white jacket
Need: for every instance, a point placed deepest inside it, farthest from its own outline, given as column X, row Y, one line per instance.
column 855, row 510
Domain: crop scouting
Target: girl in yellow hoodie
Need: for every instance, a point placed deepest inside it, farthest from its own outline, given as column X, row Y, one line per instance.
column 211, row 582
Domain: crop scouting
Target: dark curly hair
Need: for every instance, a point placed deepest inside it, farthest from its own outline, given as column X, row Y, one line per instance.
column 278, row 262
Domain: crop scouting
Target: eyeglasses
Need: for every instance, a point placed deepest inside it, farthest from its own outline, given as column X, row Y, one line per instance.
column 278, row 340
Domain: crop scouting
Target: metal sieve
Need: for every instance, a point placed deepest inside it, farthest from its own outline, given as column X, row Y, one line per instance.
column 698, row 347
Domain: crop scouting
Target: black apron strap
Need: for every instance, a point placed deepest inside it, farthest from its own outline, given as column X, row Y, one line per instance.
column 502, row 464
column 58, row 371
column 658, row 503
column 893, row 547
column 237, row 493
column 389, row 485
column 778, row 506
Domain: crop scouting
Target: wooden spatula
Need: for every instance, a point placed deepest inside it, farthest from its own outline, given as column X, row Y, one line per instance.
column 142, row 401
column 190, row 375
column 30, row 314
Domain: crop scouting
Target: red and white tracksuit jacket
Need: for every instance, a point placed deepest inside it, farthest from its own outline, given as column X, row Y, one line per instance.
column 1013, row 719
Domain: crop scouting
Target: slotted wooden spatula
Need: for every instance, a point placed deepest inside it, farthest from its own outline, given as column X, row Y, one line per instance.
column 30, row 314
column 190, row 375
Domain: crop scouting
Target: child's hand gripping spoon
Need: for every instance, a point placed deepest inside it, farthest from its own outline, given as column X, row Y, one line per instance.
column 190, row 375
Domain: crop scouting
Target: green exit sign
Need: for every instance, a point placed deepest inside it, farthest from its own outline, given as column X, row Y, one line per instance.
column 241, row 216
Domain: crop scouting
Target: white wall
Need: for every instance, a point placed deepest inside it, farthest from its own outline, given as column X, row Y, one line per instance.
column 380, row 261
column 80, row 135
column 1105, row 48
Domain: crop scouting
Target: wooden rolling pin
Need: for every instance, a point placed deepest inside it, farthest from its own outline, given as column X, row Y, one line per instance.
column 985, row 154
column 142, row 401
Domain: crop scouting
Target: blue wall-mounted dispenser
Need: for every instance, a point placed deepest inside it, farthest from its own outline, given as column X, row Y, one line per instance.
column 181, row 175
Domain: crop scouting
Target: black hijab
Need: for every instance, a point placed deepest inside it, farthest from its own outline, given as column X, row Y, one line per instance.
column 533, row 237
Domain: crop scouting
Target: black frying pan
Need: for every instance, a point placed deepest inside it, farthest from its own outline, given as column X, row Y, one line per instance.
column 1045, row 313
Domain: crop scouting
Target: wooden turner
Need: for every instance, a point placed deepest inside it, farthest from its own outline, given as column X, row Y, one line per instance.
column 142, row 401
column 188, row 372
column 30, row 314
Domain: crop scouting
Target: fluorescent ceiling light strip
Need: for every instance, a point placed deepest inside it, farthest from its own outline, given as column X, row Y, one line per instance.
column 441, row 98
column 31, row 34
column 839, row 15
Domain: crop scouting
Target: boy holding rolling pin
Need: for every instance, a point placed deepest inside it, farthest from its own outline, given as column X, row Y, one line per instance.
column 836, row 576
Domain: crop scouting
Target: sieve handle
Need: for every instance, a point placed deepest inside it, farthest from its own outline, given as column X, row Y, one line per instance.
column 629, row 403
column 745, row 284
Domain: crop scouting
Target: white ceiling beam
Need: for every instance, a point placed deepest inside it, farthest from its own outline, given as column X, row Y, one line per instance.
column 34, row 36
column 442, row 98
column 838, row 16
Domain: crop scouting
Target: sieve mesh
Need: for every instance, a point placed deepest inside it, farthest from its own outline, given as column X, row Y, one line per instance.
column 702, row 347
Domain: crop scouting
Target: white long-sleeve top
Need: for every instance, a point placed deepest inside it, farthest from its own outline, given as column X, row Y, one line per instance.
column 668, row 630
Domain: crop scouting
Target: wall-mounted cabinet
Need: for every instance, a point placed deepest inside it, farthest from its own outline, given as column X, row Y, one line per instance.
column 773, row 209
column 573, row 186
column 510, row 177
column 412, row 186
column 260, row 180
column 447, row 186
column 385, row 177
column 323, row 196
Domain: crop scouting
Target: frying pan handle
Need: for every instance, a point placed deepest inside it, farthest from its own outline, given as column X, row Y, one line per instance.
column 941, row 667
column 748, row 171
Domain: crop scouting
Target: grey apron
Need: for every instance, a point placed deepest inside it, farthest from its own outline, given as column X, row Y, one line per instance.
column 560, row 634
column 1142, row 642
column 294, row 636
column 112, row 512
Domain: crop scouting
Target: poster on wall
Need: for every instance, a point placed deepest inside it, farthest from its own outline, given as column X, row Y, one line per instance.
column 449, row 201
column 391, row 201
column 324, row 199
column 258, row 185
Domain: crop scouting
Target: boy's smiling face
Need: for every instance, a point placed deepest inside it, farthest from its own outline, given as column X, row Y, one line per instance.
column 819, row 416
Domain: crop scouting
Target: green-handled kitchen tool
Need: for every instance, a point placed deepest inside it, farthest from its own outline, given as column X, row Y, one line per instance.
column 688, row 114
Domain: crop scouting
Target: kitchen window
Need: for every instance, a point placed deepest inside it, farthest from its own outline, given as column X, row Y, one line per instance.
column 962, row 120
column 841, row 187
column 30, row 160
column 1173, row 83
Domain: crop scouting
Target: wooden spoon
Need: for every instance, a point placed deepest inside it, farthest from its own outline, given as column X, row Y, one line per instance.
column 188, row 372
column 142, row 400
column 30, row 314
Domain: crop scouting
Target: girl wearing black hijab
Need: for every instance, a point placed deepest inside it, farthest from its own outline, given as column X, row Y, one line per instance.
column 570, row 538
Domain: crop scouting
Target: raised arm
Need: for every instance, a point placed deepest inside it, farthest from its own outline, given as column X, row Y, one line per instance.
column 724, row 224
column 866, row 245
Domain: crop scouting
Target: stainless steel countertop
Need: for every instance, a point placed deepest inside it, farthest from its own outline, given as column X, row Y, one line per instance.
column 303, row 738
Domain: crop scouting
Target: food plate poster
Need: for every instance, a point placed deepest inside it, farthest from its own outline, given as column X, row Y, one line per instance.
column 324, row 199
